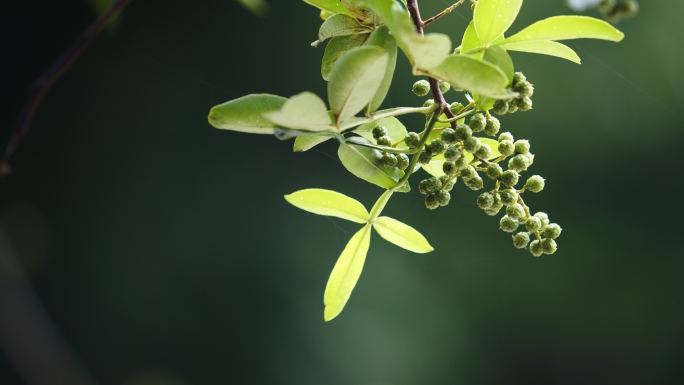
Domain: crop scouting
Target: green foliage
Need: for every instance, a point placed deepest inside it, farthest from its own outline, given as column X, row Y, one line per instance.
column 363, row 37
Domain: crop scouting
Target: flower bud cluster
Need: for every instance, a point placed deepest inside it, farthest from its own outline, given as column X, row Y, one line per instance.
column 389, row 160
column 614, row 10
column 523, row 102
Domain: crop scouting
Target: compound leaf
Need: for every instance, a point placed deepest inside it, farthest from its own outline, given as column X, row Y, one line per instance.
column 337, row 47
column 402, row 235
column 544, row 47
column 493, row 17
column 382, row 38
column 365, row 163
column 329, row 203
column 304, row 111
column 245, row 114
column 566, row 27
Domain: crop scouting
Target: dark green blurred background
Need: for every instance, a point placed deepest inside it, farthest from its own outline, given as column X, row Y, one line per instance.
column 158, row 244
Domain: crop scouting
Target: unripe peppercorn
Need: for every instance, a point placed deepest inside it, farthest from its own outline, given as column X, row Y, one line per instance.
column 508, row 196
column 463, row 132
column 431, row 201
column 477, row 123
column 494, row 171
column 379, row 131
column 461, row 163
column 506, row 148
column 447, row 184
column 421, row 88
column 437, row 147
column 429, row 103
column 425, row 157
column 412, row 140
column 517, row 78
column 535, row 184
column 530, row 159
column 472, row 144
column 424, row 186
column 521, row 240
column 533, row 224
column 524, row 88
column 389, row 160
column 508, row 224
column 452, row 153
column 449, row 168
column 475, row 183
column 552, row 231
column 544, row 219
column 606, row 6
column 444, row 87
column 509, row 178
column 485, row 201
column 443, row 197
column 515, row 211
column 524, row 103
column 492, row 127
column 500, row 107
column 518, row 163
column 456, row 108
column 402, row 161
column 536, row 248
column 448, row 136
column 628, row 8
column 385, row 141
column 505, row 136
column 512, row 107
column 522, row 146
column 495, row 208
column 434, row 184
column 468, row 172
column 548, row 246
column 484, row 152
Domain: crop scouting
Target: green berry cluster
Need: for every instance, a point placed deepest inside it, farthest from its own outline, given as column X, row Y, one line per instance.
column 523, row 102
column 614, row 10
column 389, row 160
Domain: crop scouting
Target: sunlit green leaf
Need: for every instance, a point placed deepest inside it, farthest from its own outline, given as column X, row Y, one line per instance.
column 305, row 111
column 471, row 74
column 339, row 25
column 493, row 17
column 360, row 11
column 355, row 79
column 402, row 235
column 544, row 47
column 337, row 47
column 329, row 203
column 500, row 58
column 395, row 130
column 365, row 163
column 470, row 39
column 567, row 27
column 305, row 143
column 245, row 114
column 382, row 38
column 346, row 273
column 332, row 6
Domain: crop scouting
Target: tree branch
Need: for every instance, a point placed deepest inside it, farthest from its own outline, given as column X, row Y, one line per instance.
column 444, row 12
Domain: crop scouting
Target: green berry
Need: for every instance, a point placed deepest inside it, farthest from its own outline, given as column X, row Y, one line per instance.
column 517, row 78
column 389, row 160
column 607, row 6
column 552, row 231
column 468, row 172
column 475, row 183
column 421, row 88
column 515, row 211
column 509, row 196
column 508, row 224
column 628, row 8
column 385, row 141
column 437, row 147
column 495, row 208
column 535, row 183
column 444, row 87
column 549, row 246
column 524, row 103
column 429, row 103
column 484, row 152
column 449, row 168
column 521, row 240
column 500, row 107
column 379, row 132
column 524, row 88
column 492, row 127
column 544, row 219
column 536, row 248
column 452, row 153
column 494, row 171
column 424, row 186
column 448, row 136
column 505, row 136
column 530, row 159
column 463, row 132
column 456, row 108
column 518, row 163
column 509, row 178
column 522, row 146
column 477, row 123
column 447, row 184
column 425, row 157
column 443, row 197
column 485, row 200
column 412, row 140
column 402, row 161
column 472, row 144
column 506, row 148
column 512, row 108
column 431, row 201
column 533, row 224
column 461, row 163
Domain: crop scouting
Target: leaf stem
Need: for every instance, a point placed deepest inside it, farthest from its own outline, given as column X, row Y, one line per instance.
column 383, row 148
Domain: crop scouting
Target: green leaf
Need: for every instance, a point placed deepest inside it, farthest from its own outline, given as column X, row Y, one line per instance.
column 332, row 6
column 355, row 79
column 339, row 25
column 346, row 273
column 337, row 47
column 365, row 163
column 382, row 38
column 360, row 11
column 305, row 143
column 566, row 27
column 470, row 39
column 471, row 74
column 493, row 17
column 245, row 114
column 329, row 203
column 544, row 47
column 402, row 235
column 304, row 111
column 500, row 58
column 395, row 130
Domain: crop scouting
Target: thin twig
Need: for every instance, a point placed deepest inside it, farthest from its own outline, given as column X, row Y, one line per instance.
column 444, row 12
column 43, row 84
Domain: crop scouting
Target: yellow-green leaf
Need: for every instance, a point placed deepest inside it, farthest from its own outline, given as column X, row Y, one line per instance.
column 304, row 111
column 566, row 27
column 329, row 203
column 245, row 114
column 332, row 6
column 474, row 75
column 544, row 47
column 402, row 235
column 493, row 17
column 305, row 143
column 346, row 273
